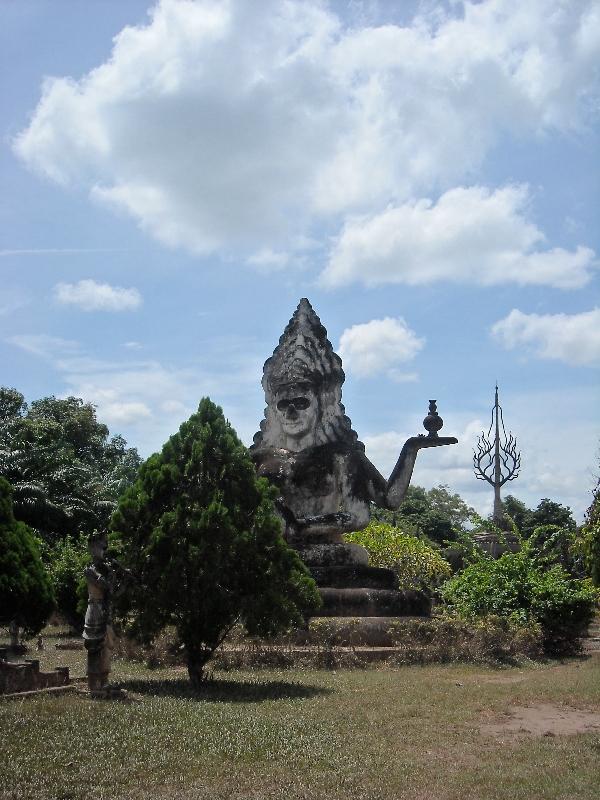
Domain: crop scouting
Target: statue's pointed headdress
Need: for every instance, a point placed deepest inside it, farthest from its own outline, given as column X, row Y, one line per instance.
column 305, row 356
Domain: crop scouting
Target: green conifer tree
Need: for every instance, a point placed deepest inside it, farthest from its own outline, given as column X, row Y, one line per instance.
column 200, row 535
column 25, row 590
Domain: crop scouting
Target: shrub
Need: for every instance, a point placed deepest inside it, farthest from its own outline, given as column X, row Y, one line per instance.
column 517, row 587
column 440, row 639
column 417, row 564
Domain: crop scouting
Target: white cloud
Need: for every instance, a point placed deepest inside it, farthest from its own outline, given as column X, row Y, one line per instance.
column 123, row 413
column 379, row 346
column 88, row 295
column 572, row 338
column 217, row 127
column 13, row 300
column 44, row 346
column 470, row 235
column 267, row 260
column 63, row 251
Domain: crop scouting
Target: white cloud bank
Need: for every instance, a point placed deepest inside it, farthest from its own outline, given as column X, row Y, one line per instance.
column 470, row 235
column 218, row 128
column 88, row 295
column 572, row 338
column 147, row 400
column 379, row 346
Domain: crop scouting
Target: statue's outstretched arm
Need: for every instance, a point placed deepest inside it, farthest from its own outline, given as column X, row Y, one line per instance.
column 402, row 472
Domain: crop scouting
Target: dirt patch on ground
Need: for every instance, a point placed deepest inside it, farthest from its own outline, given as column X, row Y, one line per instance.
column 543, row 720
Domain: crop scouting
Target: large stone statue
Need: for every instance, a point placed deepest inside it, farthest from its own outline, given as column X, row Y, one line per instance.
column 307, row 447
column 97, row 631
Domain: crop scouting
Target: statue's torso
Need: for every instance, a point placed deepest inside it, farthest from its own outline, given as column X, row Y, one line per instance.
column 321, row 480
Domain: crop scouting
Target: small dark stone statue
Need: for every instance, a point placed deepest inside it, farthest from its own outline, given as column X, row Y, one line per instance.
column 97, row 631
column 306, row 446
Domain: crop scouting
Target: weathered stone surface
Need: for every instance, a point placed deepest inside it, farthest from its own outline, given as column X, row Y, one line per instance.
column 354, row 576
column 25, row 676
column 363, row 602
column 495, row 545
column 306, row 447
column 333, row 555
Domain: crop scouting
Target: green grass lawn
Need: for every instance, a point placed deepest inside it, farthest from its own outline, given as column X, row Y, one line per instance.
column 412, row 732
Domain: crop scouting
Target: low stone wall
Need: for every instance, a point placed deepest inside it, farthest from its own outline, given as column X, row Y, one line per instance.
column 25, row 676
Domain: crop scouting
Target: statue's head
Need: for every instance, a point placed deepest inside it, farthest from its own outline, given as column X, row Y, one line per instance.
column 303, row 388
column 97, row 544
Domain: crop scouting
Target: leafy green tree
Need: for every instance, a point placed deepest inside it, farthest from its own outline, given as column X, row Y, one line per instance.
column 555, row 545
column 25, row 589
column 591, row 537
column 66, row 473
column 517, row 511
column 548, row 512
column 200, row 536
column 551, row 531
column 12, row 405
column 65, row 561
column 417, row 564
column 436, row 513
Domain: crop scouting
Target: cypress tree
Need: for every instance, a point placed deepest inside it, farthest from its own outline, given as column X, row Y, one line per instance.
column 199, row 533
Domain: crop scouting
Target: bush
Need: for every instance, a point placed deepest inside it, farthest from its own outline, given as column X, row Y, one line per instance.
column 199, row 533
column 517, row 587
column 165, row 650
column 442, row 639
column 417, row 564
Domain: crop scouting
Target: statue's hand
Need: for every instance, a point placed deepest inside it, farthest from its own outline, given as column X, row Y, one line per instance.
column 422, row 441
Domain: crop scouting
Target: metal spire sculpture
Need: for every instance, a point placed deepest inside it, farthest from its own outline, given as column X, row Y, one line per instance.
column 496, row 460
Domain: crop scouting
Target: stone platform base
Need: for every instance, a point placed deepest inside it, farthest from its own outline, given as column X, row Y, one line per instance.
column 25, row 676
column 366, row 602
column 349, row 587
column 496, row 545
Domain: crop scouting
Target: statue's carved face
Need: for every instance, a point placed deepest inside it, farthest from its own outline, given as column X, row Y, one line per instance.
column 297, row 409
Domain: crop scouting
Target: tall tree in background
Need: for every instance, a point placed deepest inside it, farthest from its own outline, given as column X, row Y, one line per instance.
column 548, row 512
column 551, row 531
column 66, row 472
column 436, row 513
column 199, row 533
column 591, row 537
column 517, row 511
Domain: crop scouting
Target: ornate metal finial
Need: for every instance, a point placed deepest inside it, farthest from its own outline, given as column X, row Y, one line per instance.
column 433, row 422
column 496, row 460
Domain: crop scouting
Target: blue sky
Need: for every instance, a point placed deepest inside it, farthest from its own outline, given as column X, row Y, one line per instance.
column 176, row 177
